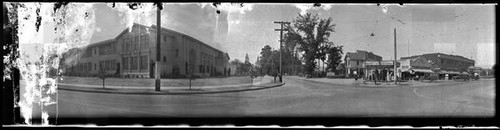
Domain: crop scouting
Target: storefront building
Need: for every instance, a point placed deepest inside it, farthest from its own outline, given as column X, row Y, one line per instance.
column 383, row 70
column 445, row 65
column 355, row 62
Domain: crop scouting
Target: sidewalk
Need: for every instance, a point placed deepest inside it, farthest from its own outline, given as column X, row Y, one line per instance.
column 363, row 83
column 258, row 83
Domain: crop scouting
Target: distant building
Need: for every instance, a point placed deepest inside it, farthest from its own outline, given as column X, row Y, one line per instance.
column 384, row 68
column 247, row 60
column 133, row 54
column 355, row 61
column 444, row 64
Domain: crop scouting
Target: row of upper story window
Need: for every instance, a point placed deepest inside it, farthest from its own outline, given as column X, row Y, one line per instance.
column 135, row 43
column 103, row 64
column 104, row 49
column 135, row 62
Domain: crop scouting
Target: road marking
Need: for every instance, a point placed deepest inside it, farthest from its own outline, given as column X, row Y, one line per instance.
column 462, row 103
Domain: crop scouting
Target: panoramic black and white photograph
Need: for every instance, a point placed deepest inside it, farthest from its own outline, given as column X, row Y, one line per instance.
column 161, row 60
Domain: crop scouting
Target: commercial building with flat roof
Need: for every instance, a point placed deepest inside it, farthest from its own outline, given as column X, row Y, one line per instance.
column 443, row 64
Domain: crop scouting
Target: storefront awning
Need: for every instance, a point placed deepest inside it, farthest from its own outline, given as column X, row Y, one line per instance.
column 448, row 72
column 423, row 70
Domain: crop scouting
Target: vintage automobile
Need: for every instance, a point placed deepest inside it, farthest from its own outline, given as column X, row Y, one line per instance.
column 463, row 77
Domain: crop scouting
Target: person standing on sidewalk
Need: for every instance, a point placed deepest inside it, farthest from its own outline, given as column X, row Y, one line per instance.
column 355, row 75
column 274, row 75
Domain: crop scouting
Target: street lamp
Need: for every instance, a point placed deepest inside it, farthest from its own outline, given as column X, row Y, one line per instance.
column 281, row 42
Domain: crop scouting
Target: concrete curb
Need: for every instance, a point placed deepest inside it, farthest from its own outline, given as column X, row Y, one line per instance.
column 168, row 92
column 387, row 85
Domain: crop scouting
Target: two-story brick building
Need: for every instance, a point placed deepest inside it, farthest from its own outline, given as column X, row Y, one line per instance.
column 133, row 53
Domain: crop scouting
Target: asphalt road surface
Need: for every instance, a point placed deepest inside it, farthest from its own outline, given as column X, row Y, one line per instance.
column 296, row 98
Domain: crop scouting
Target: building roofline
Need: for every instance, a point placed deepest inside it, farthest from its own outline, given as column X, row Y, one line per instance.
column 153, row 27
column 100, row 43
column 439, row 53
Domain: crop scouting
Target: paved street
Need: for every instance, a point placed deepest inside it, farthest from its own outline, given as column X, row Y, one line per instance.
column 297, row 97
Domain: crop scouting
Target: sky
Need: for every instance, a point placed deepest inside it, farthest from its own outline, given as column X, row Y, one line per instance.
column 465, row 30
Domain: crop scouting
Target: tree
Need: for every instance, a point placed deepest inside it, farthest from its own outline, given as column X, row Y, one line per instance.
column 241, row 68
column 334, row 57
column 310, row 33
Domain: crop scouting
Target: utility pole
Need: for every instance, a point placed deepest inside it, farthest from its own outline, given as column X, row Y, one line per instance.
column 395, row 77
column 281, row 42
column 158, row 47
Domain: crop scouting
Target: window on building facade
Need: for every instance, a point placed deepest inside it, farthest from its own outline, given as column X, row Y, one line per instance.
column 144, row 62
column 176, row 52
column 111, row 65
column 83, row 66
column 101, row 65
column 124, row 45
column 186, row 67
column 89, row 66
column 143, row 42
column 164, row 59
column 125, row 63
column 127, row 44
column 95, row 67
column 357, row 62
column 136, row 43
column 134, row 65
column 115, row 65
column 106, row 65
column 113, row 48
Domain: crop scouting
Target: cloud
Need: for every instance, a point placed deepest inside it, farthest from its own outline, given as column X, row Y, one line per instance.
column 142, row 14
column 232, row 7
column 385, row 8
column 304, row 7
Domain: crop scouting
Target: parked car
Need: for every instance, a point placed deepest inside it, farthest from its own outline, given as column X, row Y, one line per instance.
column 461, row 77
column 332, row 75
